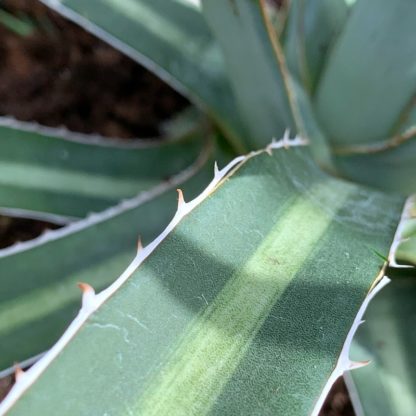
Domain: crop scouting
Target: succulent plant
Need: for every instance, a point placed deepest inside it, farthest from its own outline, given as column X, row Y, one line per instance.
column 250, row 300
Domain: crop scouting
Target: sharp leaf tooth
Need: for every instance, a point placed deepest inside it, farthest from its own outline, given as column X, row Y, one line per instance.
column 216, row 170
column 85, row 288
column 18, row 373
column 139, row 245
column 286, row 138
column 357, row 364
column 88, row 295
column 181, row 200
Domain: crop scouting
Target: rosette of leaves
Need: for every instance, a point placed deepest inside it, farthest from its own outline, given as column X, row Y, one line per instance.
column 247, row 301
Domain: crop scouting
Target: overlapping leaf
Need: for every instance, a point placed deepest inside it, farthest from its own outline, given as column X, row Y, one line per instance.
column 311, row 29
column 388, row 338
column 172, row 39
column 366, row 91
column 242, row 303
column 392, row 169
column 259, row 84
column 264, row 273
column 38, row 285
column 50, row 173
column 270, row 99
column 367, row 84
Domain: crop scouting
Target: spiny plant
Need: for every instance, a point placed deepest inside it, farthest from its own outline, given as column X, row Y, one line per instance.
column 248, row 301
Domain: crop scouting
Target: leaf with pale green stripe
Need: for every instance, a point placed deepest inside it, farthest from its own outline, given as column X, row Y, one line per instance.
column 38, row 285
column 241, row 306
column 53, row 174
column 172, row 39
column 388, row 338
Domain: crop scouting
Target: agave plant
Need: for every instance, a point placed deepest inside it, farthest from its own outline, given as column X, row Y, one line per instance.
column 248, row 300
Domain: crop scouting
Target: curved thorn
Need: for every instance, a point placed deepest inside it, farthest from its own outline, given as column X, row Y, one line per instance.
column 139, row 245
column 353, row 365
column 286, row 138
column 216, row 170
column 18, row 372
column 181, row 200
column 88, row 295
column 85, row 288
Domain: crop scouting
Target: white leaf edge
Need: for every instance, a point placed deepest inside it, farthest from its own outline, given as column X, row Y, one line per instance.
column 344, row 363
column 123, row 206
column 64, row 134
column 127, row 50
column 91, row 301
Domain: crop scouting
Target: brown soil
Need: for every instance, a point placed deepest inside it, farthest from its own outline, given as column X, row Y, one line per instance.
column 13, row 230
column 6, row 384
column 338, row 402
column 61, row 75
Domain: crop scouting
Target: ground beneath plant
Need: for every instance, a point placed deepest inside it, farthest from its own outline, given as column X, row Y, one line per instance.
column 61, row 75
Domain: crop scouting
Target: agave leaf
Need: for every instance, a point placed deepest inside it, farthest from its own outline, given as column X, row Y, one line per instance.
column 253, row 67
column 388, row 338
column 366, row 93
column 391, row 166
column 53, row 174
column 270, row 100
column 38, row 285
column 407, row 119
column 319, row 143
column 368, row 80
column 311, row 29
column 170, row 38
column 278, row 13
column 242, row 305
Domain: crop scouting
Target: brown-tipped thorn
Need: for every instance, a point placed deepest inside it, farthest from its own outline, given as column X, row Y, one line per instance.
column 181, row 199
column 358, row 364
column 139, row 245
column 85, row 288
column 18, row 372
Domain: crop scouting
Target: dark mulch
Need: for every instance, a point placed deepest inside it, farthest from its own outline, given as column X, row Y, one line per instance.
column 61, row 75
column 5, row 385
column 13, row 230
column 338, row 402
